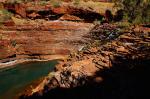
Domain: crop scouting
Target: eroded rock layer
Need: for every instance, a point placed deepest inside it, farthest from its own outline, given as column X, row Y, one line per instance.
column 42, row 40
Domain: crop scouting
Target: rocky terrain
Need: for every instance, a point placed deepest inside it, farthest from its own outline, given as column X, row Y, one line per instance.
column 43, row 31
column 99, row 57
column 117, row 54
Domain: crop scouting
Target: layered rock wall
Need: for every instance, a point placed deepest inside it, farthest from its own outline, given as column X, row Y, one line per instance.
column 42, row 41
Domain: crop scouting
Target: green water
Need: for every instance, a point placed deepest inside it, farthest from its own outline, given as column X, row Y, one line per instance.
column 13, row 80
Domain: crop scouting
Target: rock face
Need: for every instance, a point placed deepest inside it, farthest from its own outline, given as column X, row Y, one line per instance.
column 90, row 66
column 44, row 38
column 42, row 41
column 17, row 9
column 20, row 9
column 52, row 13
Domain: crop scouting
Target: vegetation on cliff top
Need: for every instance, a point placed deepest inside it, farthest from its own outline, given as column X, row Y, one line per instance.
column 135, row 11
column 4, row 15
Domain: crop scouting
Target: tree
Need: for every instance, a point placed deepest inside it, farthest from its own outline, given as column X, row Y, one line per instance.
column 135, row 11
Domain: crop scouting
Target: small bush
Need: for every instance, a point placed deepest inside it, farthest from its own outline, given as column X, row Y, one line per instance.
column 119, row 15
column 4, row 15
column 14, row 1
column 76, row 2
column 43, row 3
column 56, row 4
column 123, row 24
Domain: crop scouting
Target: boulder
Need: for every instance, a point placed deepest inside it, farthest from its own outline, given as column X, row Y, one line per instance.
column 68, row 17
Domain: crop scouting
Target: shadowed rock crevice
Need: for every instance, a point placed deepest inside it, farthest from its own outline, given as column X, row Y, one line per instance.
column 119, row 82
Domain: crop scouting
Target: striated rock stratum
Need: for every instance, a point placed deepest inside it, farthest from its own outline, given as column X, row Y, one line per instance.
column 42, row 40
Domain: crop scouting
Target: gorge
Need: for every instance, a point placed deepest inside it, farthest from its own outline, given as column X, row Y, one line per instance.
column 72, row 49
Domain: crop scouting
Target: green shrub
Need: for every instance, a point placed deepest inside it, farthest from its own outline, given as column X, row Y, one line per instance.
column 15, row 1
column 123, row 24
column 43, row 3
column 56, row 4
column 135, row 11
column 76, row 2
column 4, row 15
